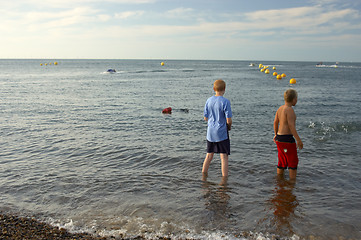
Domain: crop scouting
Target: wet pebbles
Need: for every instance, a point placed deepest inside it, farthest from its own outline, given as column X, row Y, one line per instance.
column 19, row 228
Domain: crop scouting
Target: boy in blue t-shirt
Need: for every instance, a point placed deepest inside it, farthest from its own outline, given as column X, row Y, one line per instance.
column 218, row 113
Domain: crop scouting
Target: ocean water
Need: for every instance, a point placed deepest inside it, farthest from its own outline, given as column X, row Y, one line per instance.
column 91, row 151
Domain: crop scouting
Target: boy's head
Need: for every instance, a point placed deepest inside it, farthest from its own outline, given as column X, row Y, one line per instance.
column 290, row 96
column 219, row 85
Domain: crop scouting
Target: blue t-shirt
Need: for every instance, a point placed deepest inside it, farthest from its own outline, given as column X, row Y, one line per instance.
column 217, row 110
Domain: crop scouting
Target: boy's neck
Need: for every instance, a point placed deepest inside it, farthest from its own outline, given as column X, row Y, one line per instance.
column 288, row 104
column 219, row 94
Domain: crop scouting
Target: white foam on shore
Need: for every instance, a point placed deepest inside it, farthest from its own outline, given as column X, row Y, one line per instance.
column 136, row 227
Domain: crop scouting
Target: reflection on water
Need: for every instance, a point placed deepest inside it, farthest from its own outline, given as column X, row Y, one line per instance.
column 283, row 204
column 216, row 201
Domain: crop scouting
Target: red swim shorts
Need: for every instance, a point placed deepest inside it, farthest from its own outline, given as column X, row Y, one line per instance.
column 287, row 155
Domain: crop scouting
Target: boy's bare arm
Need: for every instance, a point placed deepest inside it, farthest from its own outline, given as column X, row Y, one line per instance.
column 275, row 125
column 291, row 120
column 229, row 123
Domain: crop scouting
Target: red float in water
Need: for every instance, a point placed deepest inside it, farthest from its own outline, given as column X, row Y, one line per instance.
column 167, row 110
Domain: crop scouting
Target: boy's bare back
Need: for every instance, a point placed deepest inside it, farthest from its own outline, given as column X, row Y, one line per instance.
column 285, row 115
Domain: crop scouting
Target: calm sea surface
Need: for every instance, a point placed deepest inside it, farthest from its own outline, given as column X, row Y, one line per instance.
column 91, row 151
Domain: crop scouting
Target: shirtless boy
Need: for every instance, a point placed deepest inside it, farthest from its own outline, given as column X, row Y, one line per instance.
column 285, row 134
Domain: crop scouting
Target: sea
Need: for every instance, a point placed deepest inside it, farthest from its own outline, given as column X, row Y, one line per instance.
column 91, row 151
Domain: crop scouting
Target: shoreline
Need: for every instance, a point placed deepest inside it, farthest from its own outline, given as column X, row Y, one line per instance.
column 14, row 227
column 28, row 228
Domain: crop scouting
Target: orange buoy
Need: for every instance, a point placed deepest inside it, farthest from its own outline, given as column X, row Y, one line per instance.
column 275, row 74
column 279, row 77
column 293, row 81
column 283, row 75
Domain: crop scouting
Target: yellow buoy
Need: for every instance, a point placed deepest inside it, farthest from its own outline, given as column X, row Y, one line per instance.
column 260, row 65
column 275, row 74
column 274, row 68
column 41, row 64
column 279, row 77
column 262, row 70
column 283, row 75
column 293, row 81
column 46, row 64
column 55, row 63
column 162, row 63
column 267, row 71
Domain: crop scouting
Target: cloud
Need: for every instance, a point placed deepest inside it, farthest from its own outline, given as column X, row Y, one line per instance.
column 50, row 21
column 293, row 16
column 128, row 14
column 303, row 20
column 67, row 3
column 42, row 16
column 179, row 12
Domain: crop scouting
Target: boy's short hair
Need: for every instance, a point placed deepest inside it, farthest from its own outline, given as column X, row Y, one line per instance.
column 290, row 94
column 219, row 85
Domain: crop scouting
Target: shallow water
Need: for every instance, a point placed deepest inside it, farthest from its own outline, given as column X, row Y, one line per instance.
column 92, row 151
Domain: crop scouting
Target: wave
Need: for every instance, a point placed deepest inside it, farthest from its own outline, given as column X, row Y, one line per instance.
column 337, row 66
column 325, row 131
column 140, row 228
column 111, row 73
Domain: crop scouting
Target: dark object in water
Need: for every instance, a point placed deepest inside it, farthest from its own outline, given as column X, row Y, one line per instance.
column 186, row 110
column 167, row 110
column 111, row 70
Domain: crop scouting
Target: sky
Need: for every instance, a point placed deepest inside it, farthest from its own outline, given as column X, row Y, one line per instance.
column 285, row 30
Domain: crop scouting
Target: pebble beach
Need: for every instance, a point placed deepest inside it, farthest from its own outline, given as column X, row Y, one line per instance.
column 13, row 227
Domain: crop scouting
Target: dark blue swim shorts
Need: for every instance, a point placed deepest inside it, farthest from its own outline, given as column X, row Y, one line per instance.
column 219, row 147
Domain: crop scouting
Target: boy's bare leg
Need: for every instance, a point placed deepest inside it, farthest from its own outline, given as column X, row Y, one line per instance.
column 224, row 181
column 224, row 164
column 207, row 162
column 280, row 171
column 292, row 173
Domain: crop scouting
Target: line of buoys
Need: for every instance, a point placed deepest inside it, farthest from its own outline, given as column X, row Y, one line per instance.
column 46, row 64
column 266, row 70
